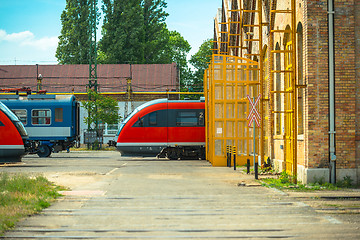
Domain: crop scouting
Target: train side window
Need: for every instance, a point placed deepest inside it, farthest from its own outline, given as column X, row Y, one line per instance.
column 186, row 119
column 59, row 115
column 201, row 119
column 153, row 119
column 41, row 117
column 21, row 114
column 1, row 124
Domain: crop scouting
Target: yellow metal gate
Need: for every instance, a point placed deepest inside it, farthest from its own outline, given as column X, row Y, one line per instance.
column 227, row 82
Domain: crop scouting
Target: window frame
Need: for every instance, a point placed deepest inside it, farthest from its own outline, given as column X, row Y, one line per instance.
column 187, row 124
column 37, row 124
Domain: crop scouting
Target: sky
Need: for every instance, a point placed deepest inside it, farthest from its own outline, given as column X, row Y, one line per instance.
column 29, row 29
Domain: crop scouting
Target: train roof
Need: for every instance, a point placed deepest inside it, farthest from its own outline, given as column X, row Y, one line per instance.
column 32, row 101
column 157, row 101
column 38, row 97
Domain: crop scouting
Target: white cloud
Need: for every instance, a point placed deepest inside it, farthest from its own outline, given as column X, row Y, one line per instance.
column 44, row 43
column 28, row 39
column 16, row 37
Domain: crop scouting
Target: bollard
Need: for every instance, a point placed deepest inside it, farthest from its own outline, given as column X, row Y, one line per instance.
column 248, row 166
column 230, row 156
column 234, row 151
column 256, row 170
column 227, row 155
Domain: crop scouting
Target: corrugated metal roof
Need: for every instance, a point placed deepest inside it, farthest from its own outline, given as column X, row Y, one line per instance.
column 73, row 78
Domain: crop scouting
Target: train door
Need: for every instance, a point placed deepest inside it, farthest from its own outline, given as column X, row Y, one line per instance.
column 76, row 118
column 186, row 127
column 154, row 127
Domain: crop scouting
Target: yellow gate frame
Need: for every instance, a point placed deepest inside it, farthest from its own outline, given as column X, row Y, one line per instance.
column 227, row 82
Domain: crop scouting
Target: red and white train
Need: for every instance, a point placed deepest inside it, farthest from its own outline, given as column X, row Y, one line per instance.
column 166, row 128
column 12, row 136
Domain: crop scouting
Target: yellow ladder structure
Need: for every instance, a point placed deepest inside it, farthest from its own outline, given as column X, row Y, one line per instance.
column 288, row 76
column 255, row 36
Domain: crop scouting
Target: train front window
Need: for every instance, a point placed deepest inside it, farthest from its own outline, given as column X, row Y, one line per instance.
column 186, row 119
column 41, row 117
column 8, row 112
column 21, row 114
column 153, row 118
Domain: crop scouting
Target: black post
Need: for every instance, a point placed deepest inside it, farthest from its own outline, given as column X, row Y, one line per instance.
column 256, row 170
column 234, row 161
column 248, row 166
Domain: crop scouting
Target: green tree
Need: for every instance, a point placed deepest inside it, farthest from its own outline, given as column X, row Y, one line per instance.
column 200, row 60
column 134, row 31
column 155, row 32
column 123, row 32
column 74, row 40
column 176, row 51
column 101, row 109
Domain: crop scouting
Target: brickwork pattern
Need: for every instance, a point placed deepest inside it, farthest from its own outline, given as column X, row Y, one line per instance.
column 317, row 79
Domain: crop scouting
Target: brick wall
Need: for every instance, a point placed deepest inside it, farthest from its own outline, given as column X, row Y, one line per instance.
column 357, row 72
column 316, row 38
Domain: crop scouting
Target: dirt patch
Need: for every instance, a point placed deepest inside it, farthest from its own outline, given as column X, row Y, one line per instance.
column 72, row 180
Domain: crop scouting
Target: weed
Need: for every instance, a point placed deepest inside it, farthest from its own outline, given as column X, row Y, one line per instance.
column 285, row 181
column 21, row 195
column 346, row 183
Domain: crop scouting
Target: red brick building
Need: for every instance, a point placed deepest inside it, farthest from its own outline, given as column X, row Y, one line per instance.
column 145, row 82
column 112, row 78
column 237, row 34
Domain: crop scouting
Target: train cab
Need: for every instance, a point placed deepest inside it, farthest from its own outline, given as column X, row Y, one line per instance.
column 12, row 136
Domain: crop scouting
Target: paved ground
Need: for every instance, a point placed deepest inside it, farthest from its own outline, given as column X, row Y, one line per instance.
column 114, row 197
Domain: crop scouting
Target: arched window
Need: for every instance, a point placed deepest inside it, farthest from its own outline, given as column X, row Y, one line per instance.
column 277, row 88
column 288, row 67
column 300, row 77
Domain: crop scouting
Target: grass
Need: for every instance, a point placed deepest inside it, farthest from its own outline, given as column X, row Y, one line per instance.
column 21, row 196
column 284, row 181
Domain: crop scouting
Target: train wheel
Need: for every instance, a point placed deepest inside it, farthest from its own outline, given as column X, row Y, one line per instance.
column 44, row 151
column 172, row 154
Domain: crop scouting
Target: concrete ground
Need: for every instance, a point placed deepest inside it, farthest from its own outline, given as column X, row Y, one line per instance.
column 113, row 197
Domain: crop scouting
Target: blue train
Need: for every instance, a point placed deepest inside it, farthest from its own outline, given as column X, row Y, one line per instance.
column 52, row 121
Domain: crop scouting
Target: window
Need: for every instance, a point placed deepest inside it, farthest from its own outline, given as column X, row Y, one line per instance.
column 153, row 118
column 186, row 119
column 58, row 115
column 1, row 124
column 21, row 114
column 277, row 97
column 111, row 129
column 300, row 79
column 41, row 117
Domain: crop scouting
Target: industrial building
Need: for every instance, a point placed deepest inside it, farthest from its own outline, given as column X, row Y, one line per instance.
column 302, row 57
column 130, row 84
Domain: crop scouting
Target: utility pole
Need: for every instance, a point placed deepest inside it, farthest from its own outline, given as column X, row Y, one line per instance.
column 92, row 85
column 93, row 51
